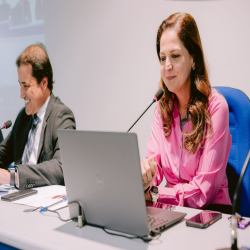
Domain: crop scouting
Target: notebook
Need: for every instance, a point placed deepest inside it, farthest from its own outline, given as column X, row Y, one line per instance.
column 102, row 172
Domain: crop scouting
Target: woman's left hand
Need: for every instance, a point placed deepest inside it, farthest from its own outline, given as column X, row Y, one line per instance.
column 148, row 169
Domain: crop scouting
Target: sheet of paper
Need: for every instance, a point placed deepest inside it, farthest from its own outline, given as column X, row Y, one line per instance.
column 43, row 192
column 6, row 187
column 53, row 203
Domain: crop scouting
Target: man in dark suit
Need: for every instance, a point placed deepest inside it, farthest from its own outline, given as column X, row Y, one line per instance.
column 33, row 142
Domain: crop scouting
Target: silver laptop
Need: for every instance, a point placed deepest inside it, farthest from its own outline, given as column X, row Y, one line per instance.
column 102, row 172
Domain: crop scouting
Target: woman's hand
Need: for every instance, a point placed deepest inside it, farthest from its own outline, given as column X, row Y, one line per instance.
column 148, row 170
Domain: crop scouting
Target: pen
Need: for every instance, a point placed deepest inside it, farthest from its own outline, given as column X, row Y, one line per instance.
column 51, row 205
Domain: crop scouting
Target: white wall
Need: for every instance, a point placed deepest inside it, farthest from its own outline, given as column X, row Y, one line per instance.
column 104, row 58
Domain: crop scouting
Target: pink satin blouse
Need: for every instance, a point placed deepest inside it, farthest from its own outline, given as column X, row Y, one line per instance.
column 193, row 180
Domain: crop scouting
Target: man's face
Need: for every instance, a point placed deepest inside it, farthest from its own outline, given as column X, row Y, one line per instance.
column 34, row 94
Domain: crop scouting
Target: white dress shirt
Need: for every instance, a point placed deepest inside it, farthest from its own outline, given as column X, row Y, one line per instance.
column 34, row 154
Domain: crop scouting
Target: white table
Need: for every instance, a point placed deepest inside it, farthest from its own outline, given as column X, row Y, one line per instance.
column 46, row 231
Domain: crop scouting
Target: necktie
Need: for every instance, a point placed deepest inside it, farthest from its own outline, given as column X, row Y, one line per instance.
column 31, row 139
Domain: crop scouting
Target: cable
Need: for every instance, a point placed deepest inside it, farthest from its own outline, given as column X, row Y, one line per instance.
column 46, row 209
column 80, row 220
column 134, row 237
column 154, row 234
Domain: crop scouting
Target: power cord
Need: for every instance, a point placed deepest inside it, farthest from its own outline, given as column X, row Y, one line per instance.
column 154, row 234
column 79, row 218
column 44, row 209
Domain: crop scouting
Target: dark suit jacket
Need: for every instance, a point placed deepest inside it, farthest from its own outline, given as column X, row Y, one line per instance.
column 48, row 170
column 1, row 136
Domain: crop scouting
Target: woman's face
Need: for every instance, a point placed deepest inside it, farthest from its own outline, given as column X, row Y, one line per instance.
column 176, row 63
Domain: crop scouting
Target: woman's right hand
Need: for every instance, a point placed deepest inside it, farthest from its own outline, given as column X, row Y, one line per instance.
column 148, row 170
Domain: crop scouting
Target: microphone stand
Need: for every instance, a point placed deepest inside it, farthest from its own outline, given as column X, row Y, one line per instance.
column 235, row 199
column 141, row 115
column 157, row 97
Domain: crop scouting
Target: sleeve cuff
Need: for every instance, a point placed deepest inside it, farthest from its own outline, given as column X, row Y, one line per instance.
column 17, row 177
column 167, row 195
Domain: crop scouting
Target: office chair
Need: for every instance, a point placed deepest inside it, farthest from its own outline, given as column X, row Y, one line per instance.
column 239, row 125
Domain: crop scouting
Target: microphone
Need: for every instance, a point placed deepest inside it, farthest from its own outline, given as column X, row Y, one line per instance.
column 235, row 200
column 157, row 97
column 6, row 124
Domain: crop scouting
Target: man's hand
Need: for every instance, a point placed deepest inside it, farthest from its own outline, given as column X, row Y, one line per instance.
column 4, row 176
column 148, row 170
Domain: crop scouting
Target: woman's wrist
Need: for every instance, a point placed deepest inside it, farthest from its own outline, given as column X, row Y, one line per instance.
column 148, row 196
column 146, row 190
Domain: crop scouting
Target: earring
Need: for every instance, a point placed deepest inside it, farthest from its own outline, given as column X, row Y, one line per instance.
column 193, row 68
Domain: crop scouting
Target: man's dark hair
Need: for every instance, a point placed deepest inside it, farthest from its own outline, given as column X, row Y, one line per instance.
column 37, row 56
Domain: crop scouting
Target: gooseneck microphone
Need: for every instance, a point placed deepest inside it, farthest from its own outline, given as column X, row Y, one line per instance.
column 6, row 124
column 238, row 187
column 157, row 97
column 235, row 201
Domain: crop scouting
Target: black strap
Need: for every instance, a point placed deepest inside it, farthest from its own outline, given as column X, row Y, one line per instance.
column 146, row 190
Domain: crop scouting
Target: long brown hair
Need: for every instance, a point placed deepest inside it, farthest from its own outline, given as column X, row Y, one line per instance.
column 197, row 110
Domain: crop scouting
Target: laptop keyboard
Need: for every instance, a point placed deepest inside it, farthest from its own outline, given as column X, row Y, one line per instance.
column 155, row 222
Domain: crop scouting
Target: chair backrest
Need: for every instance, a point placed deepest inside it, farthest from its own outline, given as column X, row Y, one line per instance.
column 239, row 124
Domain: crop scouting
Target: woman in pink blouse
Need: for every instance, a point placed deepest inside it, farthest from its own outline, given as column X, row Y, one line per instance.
column 190, row 139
